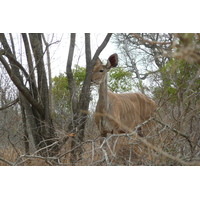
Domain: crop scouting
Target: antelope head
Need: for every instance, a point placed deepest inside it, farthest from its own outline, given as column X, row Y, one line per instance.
column 100, row 70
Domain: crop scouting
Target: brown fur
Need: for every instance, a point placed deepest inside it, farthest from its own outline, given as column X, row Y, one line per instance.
column 118, row 113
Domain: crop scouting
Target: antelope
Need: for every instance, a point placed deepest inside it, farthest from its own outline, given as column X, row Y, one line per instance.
column 118, row 113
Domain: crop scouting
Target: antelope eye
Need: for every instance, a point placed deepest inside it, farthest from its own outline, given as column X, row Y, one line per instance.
column 101, row 70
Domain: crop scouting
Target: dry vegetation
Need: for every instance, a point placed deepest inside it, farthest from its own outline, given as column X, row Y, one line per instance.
column 174, row 140
column 165, row 146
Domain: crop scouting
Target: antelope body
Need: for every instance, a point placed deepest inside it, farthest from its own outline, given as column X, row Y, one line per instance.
column 118, row 113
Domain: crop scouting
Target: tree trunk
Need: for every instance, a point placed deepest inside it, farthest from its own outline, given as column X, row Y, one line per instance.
column 78, row 122
column 35, row 97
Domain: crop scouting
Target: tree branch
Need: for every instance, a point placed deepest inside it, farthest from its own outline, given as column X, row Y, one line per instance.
column 85, row 93
column 6, row 161
column 14, row 61
column 87, row 50
column 49, row 75
column 70, row 73
column 144, row 41
column 21, row 87
column 100, row 48
column 30, row 66
column 9, row 104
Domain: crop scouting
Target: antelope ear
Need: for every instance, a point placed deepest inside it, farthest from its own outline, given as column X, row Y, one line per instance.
column 112, row 61
column 98, row 62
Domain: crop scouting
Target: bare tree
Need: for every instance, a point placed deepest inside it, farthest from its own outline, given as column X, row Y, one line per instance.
column 145, row 54
column 33, row 90
column 80, row 104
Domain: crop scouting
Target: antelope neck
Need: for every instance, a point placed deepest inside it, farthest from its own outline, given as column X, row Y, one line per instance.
column 103, row 95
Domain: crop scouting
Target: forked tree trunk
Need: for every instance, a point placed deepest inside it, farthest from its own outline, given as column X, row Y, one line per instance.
column 35, row 96
column 80, row 108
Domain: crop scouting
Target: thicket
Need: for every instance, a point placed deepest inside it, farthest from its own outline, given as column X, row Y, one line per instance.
column 165, row 67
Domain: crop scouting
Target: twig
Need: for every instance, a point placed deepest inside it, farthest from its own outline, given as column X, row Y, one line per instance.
column 106, row 156
column 148, row 41
column 177, row 132
column 17, row 162
column 6, row 161
column 9, row 104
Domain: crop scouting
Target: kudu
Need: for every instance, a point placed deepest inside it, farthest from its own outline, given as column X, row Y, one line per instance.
column 118, row 113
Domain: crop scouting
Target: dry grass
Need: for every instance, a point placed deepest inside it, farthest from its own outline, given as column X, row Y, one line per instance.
column 8, row 155
column 164, row 146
